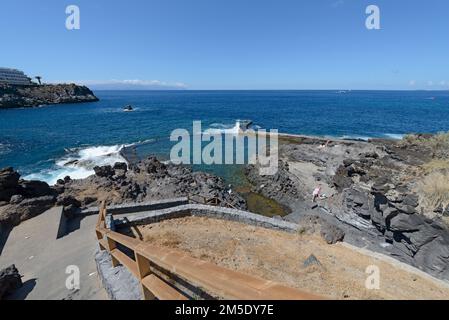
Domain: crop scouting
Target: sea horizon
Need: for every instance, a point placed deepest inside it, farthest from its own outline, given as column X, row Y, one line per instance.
column 322, row 90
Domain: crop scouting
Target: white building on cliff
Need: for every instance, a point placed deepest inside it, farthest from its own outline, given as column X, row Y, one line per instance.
column 14, row 76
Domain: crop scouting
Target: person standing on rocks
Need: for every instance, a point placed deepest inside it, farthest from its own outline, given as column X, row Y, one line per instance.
column 316, row 193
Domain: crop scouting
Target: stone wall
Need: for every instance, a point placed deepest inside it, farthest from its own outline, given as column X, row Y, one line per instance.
column 148, row 217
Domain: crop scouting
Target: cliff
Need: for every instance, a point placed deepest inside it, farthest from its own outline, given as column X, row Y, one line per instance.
column 36, row 95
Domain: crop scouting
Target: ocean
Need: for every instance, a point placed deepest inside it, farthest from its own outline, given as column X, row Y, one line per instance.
column 50, row 142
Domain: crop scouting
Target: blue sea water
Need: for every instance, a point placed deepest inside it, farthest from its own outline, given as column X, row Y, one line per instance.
column 42, row 142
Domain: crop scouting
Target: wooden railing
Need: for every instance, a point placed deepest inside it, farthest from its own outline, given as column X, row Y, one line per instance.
column 171, row 274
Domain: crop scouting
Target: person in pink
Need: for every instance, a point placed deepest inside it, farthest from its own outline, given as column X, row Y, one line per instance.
column 316, row 193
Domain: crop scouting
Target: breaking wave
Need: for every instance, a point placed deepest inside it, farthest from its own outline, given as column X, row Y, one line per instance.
column 79, row 163
column 234, row 129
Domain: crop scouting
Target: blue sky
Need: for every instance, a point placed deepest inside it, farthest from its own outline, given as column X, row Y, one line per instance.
column 231, row 44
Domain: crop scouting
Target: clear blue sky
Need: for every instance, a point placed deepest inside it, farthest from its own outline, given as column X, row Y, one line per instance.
column 231, row 44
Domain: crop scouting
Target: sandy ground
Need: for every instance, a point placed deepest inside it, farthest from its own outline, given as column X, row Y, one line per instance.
column 280, row 256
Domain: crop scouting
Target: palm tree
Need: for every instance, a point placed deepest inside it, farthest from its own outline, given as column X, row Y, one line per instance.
column 38, row 78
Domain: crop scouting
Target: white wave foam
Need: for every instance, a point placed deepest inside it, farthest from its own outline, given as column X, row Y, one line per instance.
column 52, row 176
column 238, row 127
column 354, row 137
column 394, row 136
column 80, row 163
column 140, row 142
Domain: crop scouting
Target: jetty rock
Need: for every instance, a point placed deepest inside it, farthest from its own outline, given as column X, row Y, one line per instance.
column 12, row 96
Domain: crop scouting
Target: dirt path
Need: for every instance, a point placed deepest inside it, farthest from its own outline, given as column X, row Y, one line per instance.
column 280, row 256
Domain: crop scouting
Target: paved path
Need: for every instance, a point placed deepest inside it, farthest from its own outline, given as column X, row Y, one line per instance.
column 42, row 259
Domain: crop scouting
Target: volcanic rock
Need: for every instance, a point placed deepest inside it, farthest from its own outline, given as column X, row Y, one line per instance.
column 10, row 280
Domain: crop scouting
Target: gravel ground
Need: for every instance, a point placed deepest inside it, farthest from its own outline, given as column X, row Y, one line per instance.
column 280, row 256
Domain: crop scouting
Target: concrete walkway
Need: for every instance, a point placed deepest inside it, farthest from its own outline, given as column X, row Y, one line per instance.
column 42, row 259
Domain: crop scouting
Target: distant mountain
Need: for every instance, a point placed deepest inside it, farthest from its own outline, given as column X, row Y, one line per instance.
column 133, row 85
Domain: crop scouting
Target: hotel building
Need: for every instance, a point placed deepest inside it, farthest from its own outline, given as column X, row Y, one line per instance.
column 14, row 76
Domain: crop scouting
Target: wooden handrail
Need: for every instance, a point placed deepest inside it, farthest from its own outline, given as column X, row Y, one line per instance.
column 207, row 277
column 161, row 289
column 126, row 241
column 216, row 280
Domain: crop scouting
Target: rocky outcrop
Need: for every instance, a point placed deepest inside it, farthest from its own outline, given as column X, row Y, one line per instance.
column 104, row 171
column 279, row 186
column 22, row 199
column 394, row 215
column 12, row 214
column 317, row 224
column 377, row 196
column 36, row 95
column 9, row 183
column 147, row 180
column 331, row 233
column 369, row 194
column 33, row 189
column 10, row 280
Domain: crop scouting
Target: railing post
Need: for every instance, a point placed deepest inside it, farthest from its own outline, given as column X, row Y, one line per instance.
column 100, row 215
column 143, row 267
column 101, row 245
column 100, row 212
column 111, row 246
column 99, row 235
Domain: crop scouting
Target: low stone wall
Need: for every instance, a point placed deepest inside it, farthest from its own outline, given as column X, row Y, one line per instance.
column 230, row 214
column 139, row 206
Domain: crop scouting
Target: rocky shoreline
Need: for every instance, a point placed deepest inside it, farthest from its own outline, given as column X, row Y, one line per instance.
column 150, row 179
column 37, row 95
column 370, row 190
column 371, row 193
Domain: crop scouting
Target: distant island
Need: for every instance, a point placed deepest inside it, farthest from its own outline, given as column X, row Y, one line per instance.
column 17, row 96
